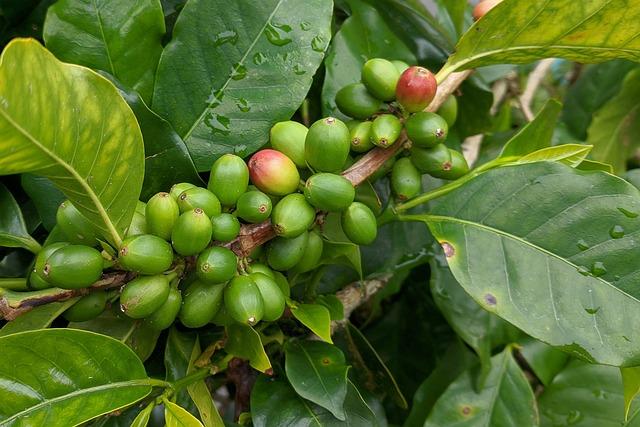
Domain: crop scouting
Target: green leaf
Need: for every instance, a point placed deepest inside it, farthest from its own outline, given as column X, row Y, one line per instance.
column 615, row 126
column 456, row 10
column 13, row 230
column 631, row 386
column 474, row 110
column 569, row 154
column 352, row 46
column 86, row 139
column 244, row 342
column 588, row 31
column 226, row 77
column 592, row 165
column 544, row 360
column 178, row 352
column 62, row 377
column 177, row 416
column 344, row 253
column 333, row 304
column 38, row 318
column 45, row 196
column 537, row 134
column 563, row 238
column 315, row 317
column 505, row 400
column 142, row 419
column 120, row 37
column 318, row 372
column 200, row 394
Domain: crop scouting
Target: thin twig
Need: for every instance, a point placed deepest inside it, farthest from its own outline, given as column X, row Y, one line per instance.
column 535, row 79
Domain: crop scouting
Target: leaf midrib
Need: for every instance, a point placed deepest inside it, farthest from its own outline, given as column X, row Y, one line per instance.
column 324, row 387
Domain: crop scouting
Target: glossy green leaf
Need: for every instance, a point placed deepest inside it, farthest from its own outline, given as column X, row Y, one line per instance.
column 537, row 134
column 120, row 37
column 38, row 318
column 631, row 386
column 586, row 31
column 45, row 196
column 474, row 110
column 142, row 419
column 615, row 126
column 569, row 154
column 86, row 139
column 333, row 304
column 177, row 416
column 178, row 352
column 13, row 230
column 549, row 234
column 344, row 253
column 200, row 394
column 63, row 377
column 456, row 9
column 544, row 360
column 226, row 77
column 244, row 342
column 505, row 400
column 592, row 165
column 316, row 317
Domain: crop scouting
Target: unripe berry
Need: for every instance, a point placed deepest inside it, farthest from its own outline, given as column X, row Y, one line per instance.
column 406, row 180
column 273, row 172
column 355, row 101
column 380, row 77
column 37, row 278
column 416, row 89
column 329, row 192
column 229, row 179
column 164, row 316
column 426, row 129
column 400, row 65
column 161, row 214
column 199, row 197
column 179, row 188
column 284, row 253
column 312, row 254
column 292, row 216
column 385, row 130
column 360, row 133
column 254, row 206
column 243, row 300
column 449, row 110
column 86, row 308
column 272, row 297
column 145, row 254
column 192, row 232
column 359, row 224
column 201, row 301
column 216, row 265
column 483, row 7
column 288, row 138
column 73, row 267
column 327, row 145
column 144, row 295
column 226, row 227
column 431, row 160
column 75, row 227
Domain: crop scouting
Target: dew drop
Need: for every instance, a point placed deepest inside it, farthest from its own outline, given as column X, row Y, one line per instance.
column 217, row 123
column 305, row 26
column 225, row 37
column 616, row 232
column 239, row 71
column 243, row 105
column 285, row 57
column 583, row 271
column 592, row 310
column 215, row 98
column 299, row 70
column 628, row 213
column 582, row 245
column 277, row 34
column 259, row 58
column 573, row 417
column 598, row 269
column 626, row 338
column 318, row 44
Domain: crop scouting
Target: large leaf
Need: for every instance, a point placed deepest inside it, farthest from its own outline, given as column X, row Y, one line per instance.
column 63, row 377
column 201, row 395
column 505, row 400
column 178, row 352
column 85, row 138
column 585, row 31
column 244, row 342
column 227, row 76
column 45, row 196
column 120, row 37
column 551, row 250
column 544, row 360
column 13, row 230
column 177, row 416
column 316, row 317
column 37, row 318
column 537, row 134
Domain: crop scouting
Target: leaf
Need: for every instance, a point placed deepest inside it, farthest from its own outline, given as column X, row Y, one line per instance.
column 631, row 387
column 120, row 37
column 592, row 165
column 474, row 110
column 315, row 317
column 318, row 372
column 37, row 318
column 46, row 197
column 615, row 126
column 536, row 134
column 13, row 230
column 200, row 394
column 456, row 10
column 352, row 46
column 333, row 304
column 590, row 31
column 86, row 139
column 226, row 77
column 505, row 400
column 548, row 248
column 178, row 352
column 244, row 342
column 177, row 416
column 142, row 419
column 569, row 154
column 544, row 360
column 62, row 377
column 344, row 253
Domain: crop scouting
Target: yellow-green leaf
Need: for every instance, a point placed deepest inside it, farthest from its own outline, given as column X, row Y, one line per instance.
column 177, row 416
column 244, row 342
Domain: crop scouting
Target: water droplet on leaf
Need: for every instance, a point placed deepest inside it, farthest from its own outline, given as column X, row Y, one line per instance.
column 299, row 70
column 215, row 98
column 582, row 245
column 217, row 123
column 243, row 105
column 239, row 71
column 616, row 232
column 598, row 269
column 583, row 271
column 318, row 44
column 573, row 416
column 628, row 213
column 259, row 58
column 277, row 34
column 305, row 26
column 224, row 37
column 592, row 310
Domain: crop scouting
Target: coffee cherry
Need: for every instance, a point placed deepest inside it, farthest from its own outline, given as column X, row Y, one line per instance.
column 431, row 160
column 288, row 138
column 483, row 7
column 37, row 283
column 138, row 225
column 449, row 110
column 311, row 255
column 456, row 168
column 145, row 254
column 401, row 66
column 272, row 297
column 86, row 308
column 355, row 101
column 164, row 316
column 178, row 189
column 254, row 207
column 216, row 265
column 426, row 130
column 292, row 216
column 201, row 302
column 37, row 278
column 73, row 267
column 144, row 295
column 273, row 172
column 225, row 227
column 75, row 227
column 284, row 253
column 243, row 301
column 327, row 145
column 191, row 233
column 406, row 180
column 416, row 89
column 202, row 198
column 283, row 283
column 359, row 224
column 161, row 213
column 329, row 192
column 385, row 130
column 257, row 267
column 380, row 77
column 228, row 180
column 360, row 133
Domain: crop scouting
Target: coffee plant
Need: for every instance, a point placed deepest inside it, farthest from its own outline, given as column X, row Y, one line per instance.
column 295, row 212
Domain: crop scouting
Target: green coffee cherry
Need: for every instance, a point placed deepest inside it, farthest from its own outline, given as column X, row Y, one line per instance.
column 73, row 267
column 380, row 77
column 36, row 282
column 37, row 278
column 431, row 160
column 272, row 297
column 406, row 180
column 257, row 267
column 138, row 225
column 359, row 224
column 283, row 283
column 273, row 172
column 311, row 255
column 254, row 207
column 355, row 101
column 75, row 227
column 201, row 302
column 288, row 138
column 228, row 180
column 178, row 189
column 360, row 133
column 426, row 130
column 453, row 169
column 327, row 145
column 192, row 232
column 144, row 295
column 329, row 192
column 225, row 227
column 401, row 66
column 284, row 253
column 86, row 308
column 161, row 213
column 292, row 216
column 164, row 316
column 199, row 198
column 243, row 301
column 449, row 110
column 222, row 318
column 145, row 254
column 216, row 265
column 385, row 130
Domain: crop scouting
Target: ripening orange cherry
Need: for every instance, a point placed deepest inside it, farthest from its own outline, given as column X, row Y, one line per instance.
column 483, row 7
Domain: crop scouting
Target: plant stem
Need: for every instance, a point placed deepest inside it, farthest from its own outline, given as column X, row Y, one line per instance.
column 193, row 377
column 14, row 284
